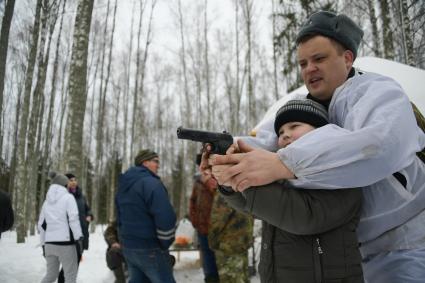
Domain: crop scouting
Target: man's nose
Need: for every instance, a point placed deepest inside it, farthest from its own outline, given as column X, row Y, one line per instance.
column 311, row 67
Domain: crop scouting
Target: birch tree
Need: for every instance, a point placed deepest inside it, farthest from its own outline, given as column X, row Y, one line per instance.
column 387, row 33
column 49, row 125
column 36, row 119
column 21, row 180
column 247, row 8
column 137, row 78
column 4, row 43
column 407, row 37
column 77, row 86
column 375, row 33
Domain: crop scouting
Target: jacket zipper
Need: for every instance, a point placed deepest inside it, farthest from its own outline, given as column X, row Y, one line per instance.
column 318, row 262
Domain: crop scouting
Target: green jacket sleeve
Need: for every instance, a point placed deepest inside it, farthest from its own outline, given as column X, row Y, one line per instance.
column 299, row 211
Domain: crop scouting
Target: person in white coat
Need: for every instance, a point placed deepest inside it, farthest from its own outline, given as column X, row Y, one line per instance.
column 371, row 142
column 60, row 231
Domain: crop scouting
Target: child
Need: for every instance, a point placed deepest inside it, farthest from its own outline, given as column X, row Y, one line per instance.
column 308, row 235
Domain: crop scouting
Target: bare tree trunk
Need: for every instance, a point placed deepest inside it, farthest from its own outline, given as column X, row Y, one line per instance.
column 78, row 86
column 238, row 92
column 274, row 27
column 375, row 34
column 115, row 155
column 36, row 118
column 127, row 92
column 100, row 124
column 4, row 43
column 143, row 75
column 406, row 33
column 116, row 164
column 13, row 164
column 387, row 33
column 49, row 126
column 21, row 180
column 136, row 86
column 252, row 113
column 62, row 141
column 101, row 117
column 207, row 66
column 188, row 111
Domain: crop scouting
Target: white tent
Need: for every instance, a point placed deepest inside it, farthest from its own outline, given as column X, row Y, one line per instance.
column 411, row 79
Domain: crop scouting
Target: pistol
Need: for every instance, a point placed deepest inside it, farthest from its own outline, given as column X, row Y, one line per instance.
column 220, row 142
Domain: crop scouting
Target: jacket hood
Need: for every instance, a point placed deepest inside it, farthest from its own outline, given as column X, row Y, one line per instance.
column 133, row 175
column 55, row 192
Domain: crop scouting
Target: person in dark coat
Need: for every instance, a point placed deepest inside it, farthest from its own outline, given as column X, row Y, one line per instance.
column 84, row 212
column 308, row 236
column 86, row 215
column 6, row 212
column 146, row 221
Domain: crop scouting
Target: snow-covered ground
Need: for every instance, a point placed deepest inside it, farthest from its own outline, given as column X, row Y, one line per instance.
column 24, row 263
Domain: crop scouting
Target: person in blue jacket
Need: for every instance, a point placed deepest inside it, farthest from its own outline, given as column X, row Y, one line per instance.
column 146, row 221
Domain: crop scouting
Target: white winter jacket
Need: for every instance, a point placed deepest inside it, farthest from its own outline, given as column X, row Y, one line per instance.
column 373, row 134
column 60, row 213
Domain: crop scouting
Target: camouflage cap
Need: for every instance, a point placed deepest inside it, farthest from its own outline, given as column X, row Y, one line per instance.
column 143, row 155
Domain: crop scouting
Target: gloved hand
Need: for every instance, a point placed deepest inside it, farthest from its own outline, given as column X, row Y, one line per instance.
column 80, row 246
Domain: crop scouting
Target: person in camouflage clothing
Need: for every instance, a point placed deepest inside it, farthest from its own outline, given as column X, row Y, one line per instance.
column 114, row 258
column 231, row 256
column 200, row 204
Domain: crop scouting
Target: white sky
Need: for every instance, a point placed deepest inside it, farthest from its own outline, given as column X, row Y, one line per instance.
column 166, row 35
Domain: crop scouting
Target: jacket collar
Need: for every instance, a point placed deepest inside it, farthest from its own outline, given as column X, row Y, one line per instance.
column 328, row 101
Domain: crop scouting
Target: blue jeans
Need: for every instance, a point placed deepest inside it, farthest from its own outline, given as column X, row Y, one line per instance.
column 208, row 258
column 149, row 265
column 407, row 266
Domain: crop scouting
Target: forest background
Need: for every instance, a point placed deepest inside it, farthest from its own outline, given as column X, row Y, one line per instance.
column 85, row 84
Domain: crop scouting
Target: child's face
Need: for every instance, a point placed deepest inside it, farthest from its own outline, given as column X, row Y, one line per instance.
column 291, row 131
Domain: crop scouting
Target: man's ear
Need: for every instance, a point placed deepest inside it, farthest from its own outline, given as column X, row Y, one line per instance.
column 349, row 59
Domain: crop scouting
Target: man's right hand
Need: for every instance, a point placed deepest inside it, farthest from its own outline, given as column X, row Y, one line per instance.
column 215, row 171
column 252, row 167
column 116, row 245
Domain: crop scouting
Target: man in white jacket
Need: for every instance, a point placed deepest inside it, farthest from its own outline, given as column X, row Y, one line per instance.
column 60, row 231
column 371, row 143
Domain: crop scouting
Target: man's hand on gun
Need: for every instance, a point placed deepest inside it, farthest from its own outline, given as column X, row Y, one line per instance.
column 216, row 170
column 250, row 167
column 242, row 166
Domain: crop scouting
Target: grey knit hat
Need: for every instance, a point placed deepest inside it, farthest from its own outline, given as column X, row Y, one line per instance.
column 301, row 110
column 338, row 27
column 143, row 155
column 58, row 179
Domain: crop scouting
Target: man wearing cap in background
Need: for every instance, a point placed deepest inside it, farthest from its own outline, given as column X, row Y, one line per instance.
column 371, row 142
column 146, row 221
